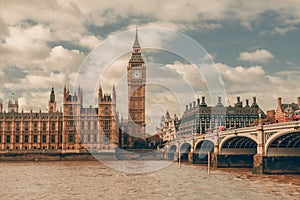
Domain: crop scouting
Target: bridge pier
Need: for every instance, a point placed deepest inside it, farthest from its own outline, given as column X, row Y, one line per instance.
column 175, row 156
column 214, row 160
column 258, row 159
column 191, row 157
column 215, row 154
column 258, row 164
column 191, row 153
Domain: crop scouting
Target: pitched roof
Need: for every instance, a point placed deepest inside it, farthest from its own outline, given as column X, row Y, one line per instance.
column 136, row 43
column 292, row 105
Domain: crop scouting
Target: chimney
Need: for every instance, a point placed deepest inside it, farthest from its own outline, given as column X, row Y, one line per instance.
column 279, row 101
column 194, row 104
column 186, row 107
column 247, row 102
column 198, row 101
column 219, row 104
column 298, row 101
column 203, row 104
column 203, row 100
column 238, row 103
column 254, row 104
column 1, row 106
column 190, row 105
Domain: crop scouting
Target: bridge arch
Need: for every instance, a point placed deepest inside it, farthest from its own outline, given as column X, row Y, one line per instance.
column 173, row 148
column 283, row 143
column 204, row 145
column 238, row 145
column 185, row 147
column 201, row 149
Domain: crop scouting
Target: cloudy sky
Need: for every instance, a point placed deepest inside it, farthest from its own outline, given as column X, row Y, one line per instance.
column 255, row 44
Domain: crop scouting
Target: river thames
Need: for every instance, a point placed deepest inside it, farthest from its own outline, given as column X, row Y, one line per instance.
column 94, row 180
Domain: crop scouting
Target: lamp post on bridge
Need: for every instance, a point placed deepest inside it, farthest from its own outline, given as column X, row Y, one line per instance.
column 192, row 150
column 259, row 117
column 179, row 154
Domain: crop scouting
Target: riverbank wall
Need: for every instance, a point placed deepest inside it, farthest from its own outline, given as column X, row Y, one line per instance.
column 82, row 156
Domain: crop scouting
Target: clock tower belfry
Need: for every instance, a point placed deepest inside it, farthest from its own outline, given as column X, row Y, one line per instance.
column 136, row 80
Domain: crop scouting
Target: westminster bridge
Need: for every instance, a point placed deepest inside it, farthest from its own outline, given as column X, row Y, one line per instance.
column 273, row 148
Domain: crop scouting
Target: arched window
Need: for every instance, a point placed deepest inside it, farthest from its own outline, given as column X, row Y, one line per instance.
column 106, row 125
column 35, row 126
column 53, row 126
column 44, row 126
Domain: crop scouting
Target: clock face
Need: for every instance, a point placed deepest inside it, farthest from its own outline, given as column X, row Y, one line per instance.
column 136, row 74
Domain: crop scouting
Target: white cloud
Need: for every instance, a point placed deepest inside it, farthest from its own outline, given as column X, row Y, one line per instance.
column 89, row 41
column 3, row 29
column 39, row 102
column 2, row 77
column 284, row 30
column 38, row 82
column 64, row 60
column 189, row 73
column 241, row 74
column 25, row 45
column 255, row 81
column 259, row 56
column 70, row 16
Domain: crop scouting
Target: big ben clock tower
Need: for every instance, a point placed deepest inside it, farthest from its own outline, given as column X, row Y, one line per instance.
column 136, row 79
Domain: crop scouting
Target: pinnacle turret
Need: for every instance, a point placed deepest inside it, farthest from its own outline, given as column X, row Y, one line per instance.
column 52, row 96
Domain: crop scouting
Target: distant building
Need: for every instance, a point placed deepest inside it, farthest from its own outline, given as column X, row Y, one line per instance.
column 269, row 119
column 168, row 127
column 200, row 118
column 286, row 112
column 72, row 130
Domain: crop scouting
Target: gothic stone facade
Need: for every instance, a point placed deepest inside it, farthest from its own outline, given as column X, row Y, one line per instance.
column 168, row 127
column 74, row 129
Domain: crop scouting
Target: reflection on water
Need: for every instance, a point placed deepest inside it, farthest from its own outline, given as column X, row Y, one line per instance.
column 93, row 180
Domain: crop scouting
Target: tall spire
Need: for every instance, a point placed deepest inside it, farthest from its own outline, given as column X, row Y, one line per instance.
column 52, row 96
column 52, row 102
column 136, row 56
column 136, row 43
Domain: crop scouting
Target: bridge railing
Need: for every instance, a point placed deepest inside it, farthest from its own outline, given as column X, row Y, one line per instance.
column 239, row 130
column 283, row 125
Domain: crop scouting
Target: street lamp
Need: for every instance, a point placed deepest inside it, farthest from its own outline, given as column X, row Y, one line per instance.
column 179, row 155
column 259, row 117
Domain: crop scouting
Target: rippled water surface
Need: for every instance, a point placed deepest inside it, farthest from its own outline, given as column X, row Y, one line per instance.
column 93, row 180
